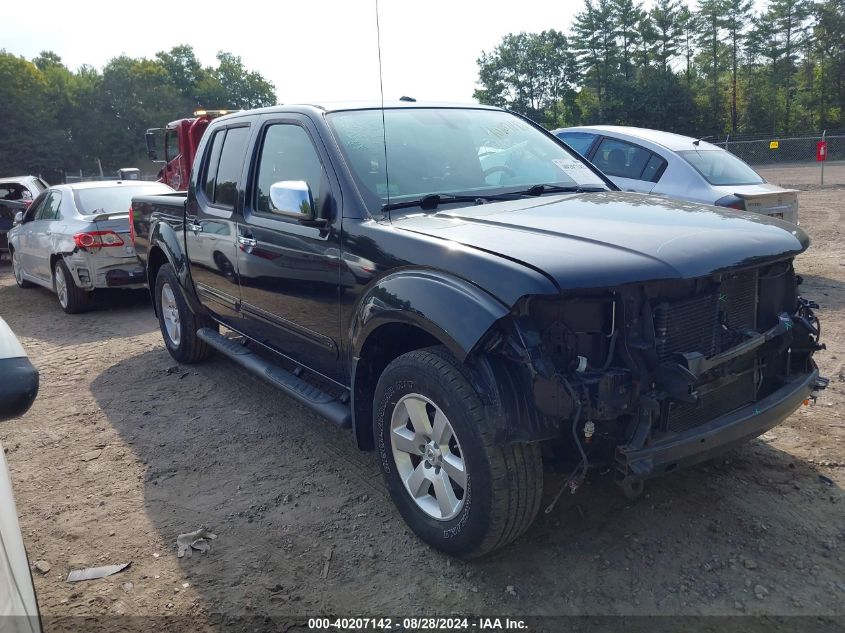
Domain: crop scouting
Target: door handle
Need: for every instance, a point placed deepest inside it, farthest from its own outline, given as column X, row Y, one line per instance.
column 48, row 232
column 196, row 228
column 247, row 241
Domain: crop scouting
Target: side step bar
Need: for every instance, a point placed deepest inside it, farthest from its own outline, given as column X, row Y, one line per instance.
column 309, row 395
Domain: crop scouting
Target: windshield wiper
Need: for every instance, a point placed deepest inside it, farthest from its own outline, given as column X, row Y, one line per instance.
column 539, row 190
column 433, row 200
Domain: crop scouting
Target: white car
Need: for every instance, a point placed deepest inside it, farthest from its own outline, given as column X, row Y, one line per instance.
column 682, row 167
column 21, row 188
column 18, row 388
column 75, row 238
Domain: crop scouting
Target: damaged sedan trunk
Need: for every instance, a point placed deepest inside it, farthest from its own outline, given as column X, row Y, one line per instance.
column 646, row 378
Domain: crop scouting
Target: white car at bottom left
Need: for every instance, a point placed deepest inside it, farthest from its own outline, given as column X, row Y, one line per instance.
column 75, row 238
column 18, row 388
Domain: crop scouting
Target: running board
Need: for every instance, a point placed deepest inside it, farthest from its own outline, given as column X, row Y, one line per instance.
column 309, row 395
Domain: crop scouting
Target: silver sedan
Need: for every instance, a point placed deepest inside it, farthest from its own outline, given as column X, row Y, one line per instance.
column 651, row 161
column 75, row 238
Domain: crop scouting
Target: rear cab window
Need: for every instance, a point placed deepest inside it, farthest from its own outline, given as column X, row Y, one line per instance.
column 719, row 167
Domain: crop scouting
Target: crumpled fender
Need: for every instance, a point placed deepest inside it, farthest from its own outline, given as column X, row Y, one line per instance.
column 451, row 309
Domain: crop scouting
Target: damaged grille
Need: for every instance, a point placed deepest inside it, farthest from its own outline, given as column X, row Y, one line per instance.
column 709, row 324
column 695, row 325
column 683, row 416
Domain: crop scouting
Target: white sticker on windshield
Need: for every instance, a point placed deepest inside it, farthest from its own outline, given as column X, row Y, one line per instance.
column 578, row 171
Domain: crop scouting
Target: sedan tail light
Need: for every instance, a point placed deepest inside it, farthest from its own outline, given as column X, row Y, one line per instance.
column 97, row 239
column 731, row 202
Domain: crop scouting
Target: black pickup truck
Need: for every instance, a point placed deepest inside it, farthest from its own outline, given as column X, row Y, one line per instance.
column 475, row 300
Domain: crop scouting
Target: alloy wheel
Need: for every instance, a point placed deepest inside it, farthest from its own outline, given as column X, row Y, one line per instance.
column 60, row 282
column 170, row 314
column 428, row 457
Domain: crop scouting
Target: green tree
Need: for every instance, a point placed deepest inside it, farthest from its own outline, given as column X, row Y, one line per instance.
column 711, row 21
column 737, row 15
column 529, row 73
column 666, row 19
column 594, row 35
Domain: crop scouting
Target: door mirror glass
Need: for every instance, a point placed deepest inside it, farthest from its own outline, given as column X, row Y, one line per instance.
column 18, row 218
column 293, row 198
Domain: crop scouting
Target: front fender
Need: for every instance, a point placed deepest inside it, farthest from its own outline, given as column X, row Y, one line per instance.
column 451, row 309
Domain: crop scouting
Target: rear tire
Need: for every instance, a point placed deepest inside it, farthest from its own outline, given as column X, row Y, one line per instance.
column 177, row 323
column 16, row 268
column 72, row 298
column 502, row 484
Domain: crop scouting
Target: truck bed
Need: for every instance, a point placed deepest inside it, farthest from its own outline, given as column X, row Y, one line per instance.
column 146, row 210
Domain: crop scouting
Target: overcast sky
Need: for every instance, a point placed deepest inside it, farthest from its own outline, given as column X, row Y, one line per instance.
column 316, row 50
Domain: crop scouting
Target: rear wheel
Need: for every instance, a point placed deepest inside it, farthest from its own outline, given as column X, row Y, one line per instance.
column 458, row 489
column 177, row 323
column 72, row 298
column 18, row 270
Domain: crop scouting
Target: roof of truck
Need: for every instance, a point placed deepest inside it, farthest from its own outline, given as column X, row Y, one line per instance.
column 337, row 106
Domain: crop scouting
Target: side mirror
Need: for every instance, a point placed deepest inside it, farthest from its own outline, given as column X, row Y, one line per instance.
column 18, row 378
column 292, row 198
column 18, row 218
column 150, row 138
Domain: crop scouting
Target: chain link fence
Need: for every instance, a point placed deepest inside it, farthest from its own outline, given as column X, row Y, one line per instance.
column 790, row 161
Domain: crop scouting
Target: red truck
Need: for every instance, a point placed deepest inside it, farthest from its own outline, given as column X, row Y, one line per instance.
column 181, row 139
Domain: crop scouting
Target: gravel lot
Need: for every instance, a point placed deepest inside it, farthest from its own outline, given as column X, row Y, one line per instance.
column 123, row 450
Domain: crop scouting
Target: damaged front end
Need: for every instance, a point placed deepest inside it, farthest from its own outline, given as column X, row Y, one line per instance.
column 647, row 378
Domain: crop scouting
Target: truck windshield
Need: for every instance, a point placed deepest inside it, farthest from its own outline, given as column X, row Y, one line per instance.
column 720, row 167
column 451, row 151
column 114, row 199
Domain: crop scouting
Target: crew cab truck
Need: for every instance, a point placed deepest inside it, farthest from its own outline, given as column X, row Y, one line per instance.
column 473, row 299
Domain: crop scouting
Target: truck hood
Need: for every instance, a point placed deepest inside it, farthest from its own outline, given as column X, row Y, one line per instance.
column 606, row 239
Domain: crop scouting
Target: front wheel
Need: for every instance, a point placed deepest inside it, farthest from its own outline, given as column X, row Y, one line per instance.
column 72, row 298
column 459, row 490
column 177, row 323
column 18, row 270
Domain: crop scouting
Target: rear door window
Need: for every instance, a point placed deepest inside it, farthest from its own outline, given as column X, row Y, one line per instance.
column 618, row 158
column 50, row 209
column 221, row 185
column 579, row 141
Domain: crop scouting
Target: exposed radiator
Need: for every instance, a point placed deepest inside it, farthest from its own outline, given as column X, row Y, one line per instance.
column 695, row 325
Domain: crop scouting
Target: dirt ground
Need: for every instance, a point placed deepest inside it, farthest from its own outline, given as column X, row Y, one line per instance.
column 124, row 449
column 804, row 175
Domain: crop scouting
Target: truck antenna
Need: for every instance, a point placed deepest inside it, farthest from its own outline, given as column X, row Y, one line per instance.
column 383, row 127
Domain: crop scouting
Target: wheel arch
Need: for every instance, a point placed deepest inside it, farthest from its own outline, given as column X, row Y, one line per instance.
column 166, row 248
column 408, row 310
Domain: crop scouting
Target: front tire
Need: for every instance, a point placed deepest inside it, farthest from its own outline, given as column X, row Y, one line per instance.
column 459, row 490
column 72, row 298
column 177, row 323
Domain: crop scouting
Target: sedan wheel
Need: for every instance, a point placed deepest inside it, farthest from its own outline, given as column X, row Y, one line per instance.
column 60, row 283
column 18, row 270
column 72, row 298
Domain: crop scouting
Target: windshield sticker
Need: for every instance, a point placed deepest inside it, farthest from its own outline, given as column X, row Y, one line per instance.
column 576, row 170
